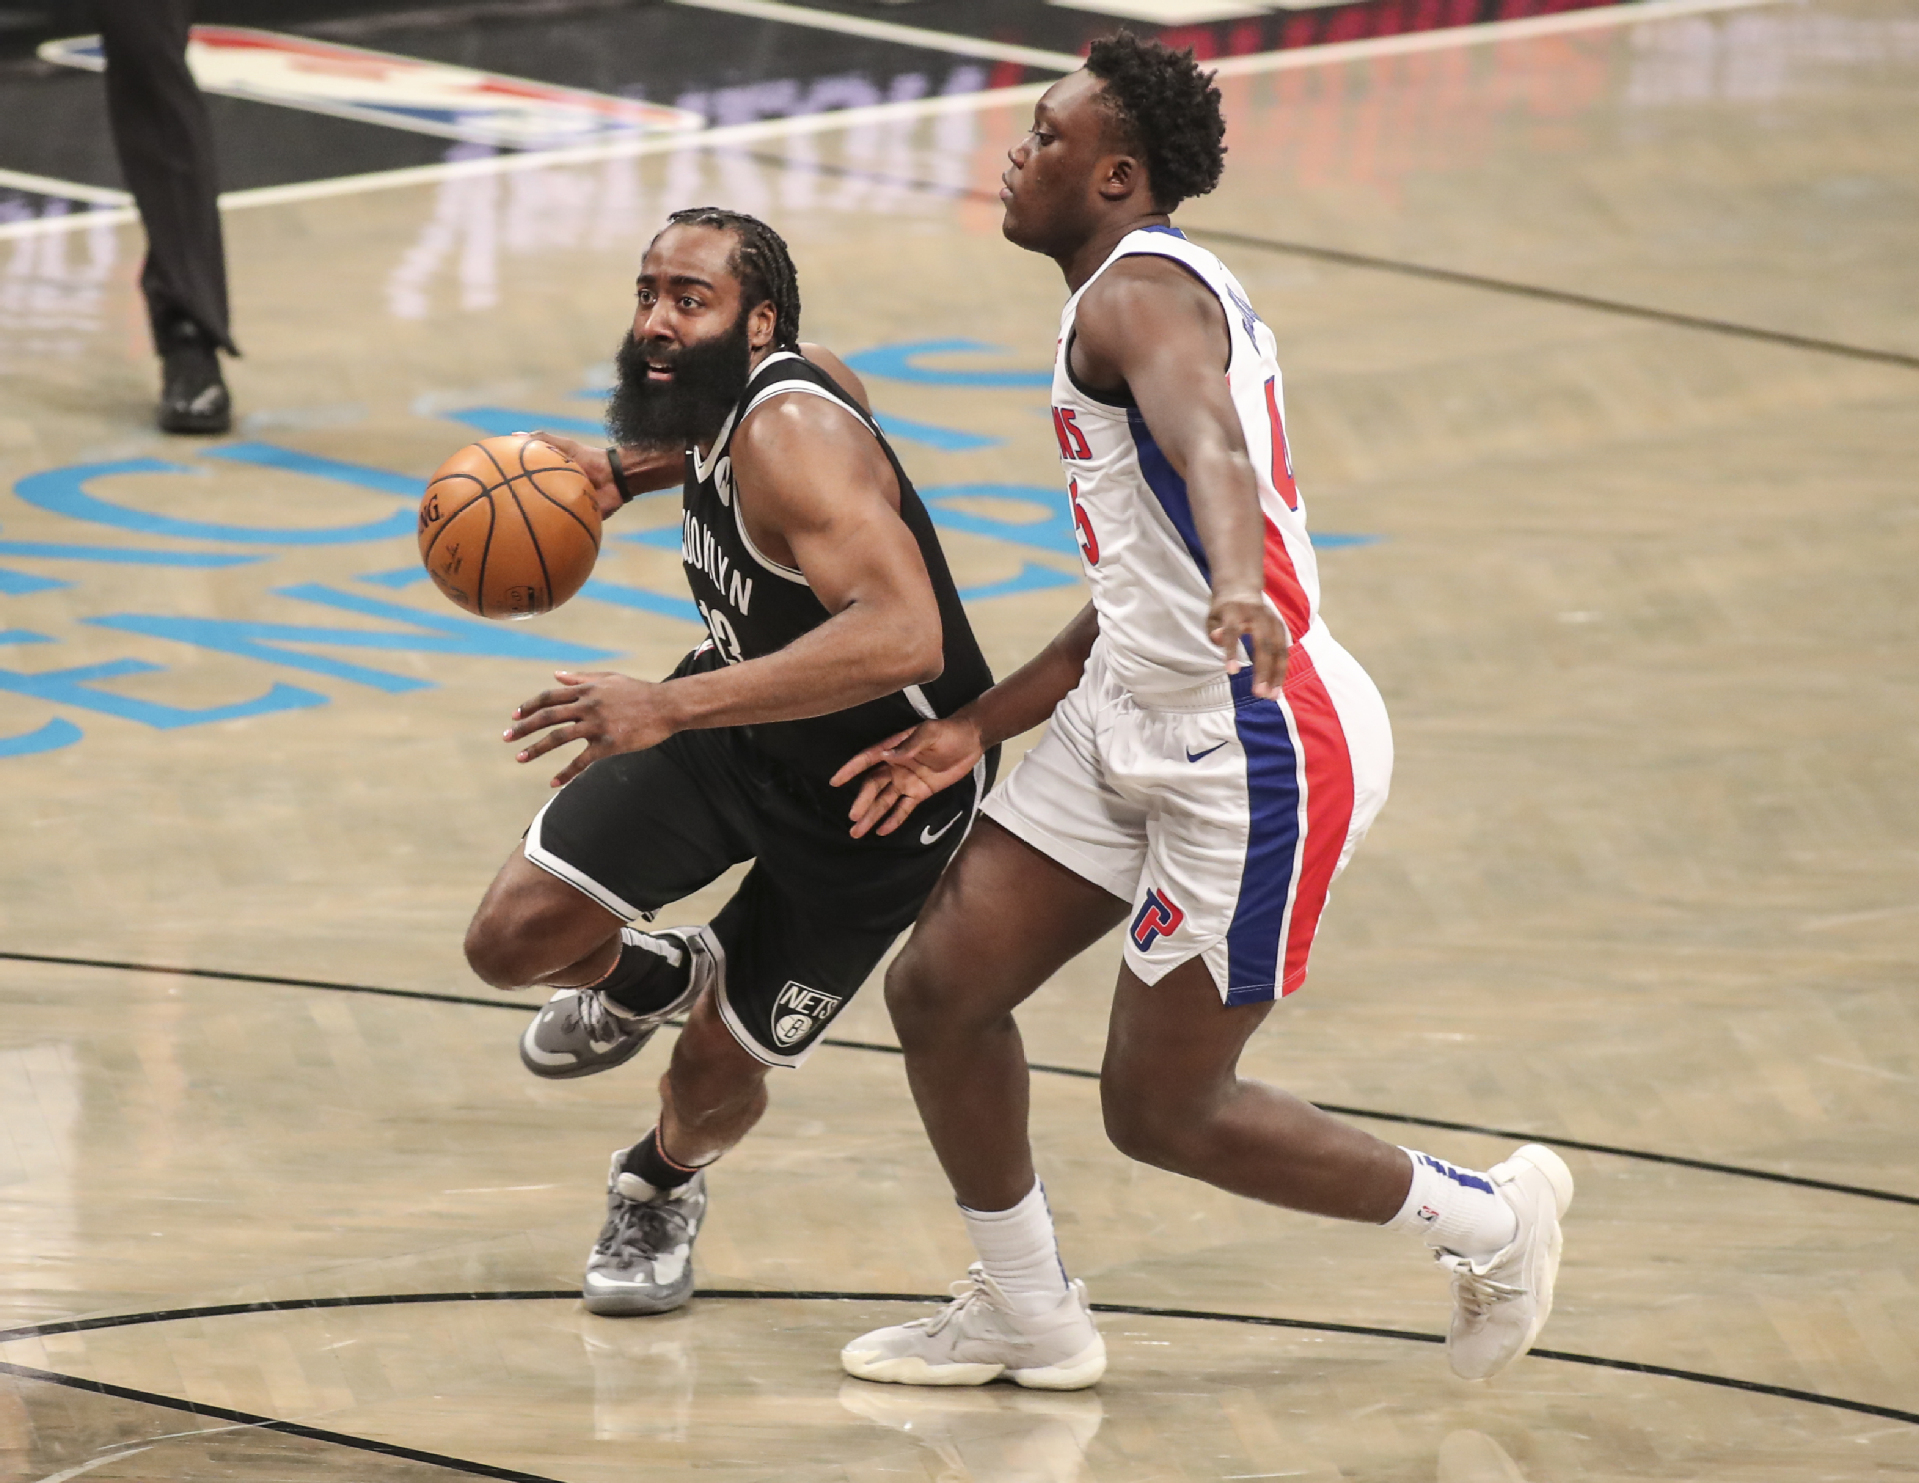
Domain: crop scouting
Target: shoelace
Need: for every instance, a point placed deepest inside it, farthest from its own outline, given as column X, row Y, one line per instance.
column 1478, row 1294
column 600, row 1023
column 974, row 1287
column 642, row 1228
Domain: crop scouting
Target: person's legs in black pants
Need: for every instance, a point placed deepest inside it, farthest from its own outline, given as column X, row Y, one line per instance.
column 165, row 142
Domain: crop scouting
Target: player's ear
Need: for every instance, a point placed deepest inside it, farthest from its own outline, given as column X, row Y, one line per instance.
column 1120, row 176
column 761, row 320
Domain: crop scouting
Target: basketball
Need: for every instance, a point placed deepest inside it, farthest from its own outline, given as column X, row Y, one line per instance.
column 509, row 527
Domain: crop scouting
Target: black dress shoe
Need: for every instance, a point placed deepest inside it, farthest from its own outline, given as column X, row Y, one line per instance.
column 193, row 396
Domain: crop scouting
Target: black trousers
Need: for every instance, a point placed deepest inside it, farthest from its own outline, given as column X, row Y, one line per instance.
column 164, row 138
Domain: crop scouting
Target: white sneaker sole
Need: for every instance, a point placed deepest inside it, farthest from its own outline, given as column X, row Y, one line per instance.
column 613, row 1303
column 1076, row 1373
column 1560, row 1179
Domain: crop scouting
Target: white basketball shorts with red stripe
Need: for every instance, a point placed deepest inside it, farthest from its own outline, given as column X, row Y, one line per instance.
column 1222, row 818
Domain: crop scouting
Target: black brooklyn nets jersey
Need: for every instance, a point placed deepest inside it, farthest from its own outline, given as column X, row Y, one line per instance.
column 753, row 606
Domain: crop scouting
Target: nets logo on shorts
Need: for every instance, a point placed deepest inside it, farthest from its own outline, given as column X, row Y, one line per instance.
column 1158, row 917
column 799, row 1011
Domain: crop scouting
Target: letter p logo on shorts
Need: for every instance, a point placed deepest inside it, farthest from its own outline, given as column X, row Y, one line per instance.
column 1158, row 917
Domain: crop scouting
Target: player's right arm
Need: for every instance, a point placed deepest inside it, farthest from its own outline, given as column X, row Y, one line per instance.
column 646, row 469
column 904, row 771
column 1149, row 328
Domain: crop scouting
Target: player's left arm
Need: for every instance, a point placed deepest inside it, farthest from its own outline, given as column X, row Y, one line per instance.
column 1150, row 326
column 818, row 494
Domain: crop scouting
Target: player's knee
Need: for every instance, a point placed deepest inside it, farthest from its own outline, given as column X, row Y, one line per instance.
column 489, row 951
column 912, row 997
column 1141, row 1124
column 505, row 946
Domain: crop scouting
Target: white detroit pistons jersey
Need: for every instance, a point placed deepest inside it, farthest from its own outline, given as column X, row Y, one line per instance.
column 1222, row 816
column 1138, row 545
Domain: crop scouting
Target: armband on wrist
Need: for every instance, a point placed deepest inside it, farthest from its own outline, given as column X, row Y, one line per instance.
column 620, row 486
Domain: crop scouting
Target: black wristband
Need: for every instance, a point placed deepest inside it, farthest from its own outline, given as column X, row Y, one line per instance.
column 619, row 476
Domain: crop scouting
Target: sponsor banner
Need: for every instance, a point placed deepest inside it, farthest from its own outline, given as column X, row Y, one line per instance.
column 400, row 92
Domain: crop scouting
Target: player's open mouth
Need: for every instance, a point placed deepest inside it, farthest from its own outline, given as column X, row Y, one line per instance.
column 658, row 372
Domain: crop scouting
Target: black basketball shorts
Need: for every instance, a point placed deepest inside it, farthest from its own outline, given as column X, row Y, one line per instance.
column 816, row 912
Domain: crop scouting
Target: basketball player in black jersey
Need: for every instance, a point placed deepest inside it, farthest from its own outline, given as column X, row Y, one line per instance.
column 833, row 623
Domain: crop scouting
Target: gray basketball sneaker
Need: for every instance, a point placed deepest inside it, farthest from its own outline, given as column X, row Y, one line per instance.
column 580, row 1031
column 643, row 1261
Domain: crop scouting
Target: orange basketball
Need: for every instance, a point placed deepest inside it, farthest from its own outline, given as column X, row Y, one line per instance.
column 509, row 527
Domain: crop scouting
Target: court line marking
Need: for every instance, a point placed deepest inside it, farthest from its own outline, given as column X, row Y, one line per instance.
column 919, row 36
column 72, row 190
column 97, row 1462
column 1341, row 257
column 1629, row 12
column 273, row 979
column 717, row 139
column 268, row 1423
column 1672, row 317
column 1078, row 1073
column 811, row 1295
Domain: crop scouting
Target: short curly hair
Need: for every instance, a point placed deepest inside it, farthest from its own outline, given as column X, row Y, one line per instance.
column 1165, row 110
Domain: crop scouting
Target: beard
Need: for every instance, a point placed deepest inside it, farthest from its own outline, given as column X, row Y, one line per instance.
column 708, row 378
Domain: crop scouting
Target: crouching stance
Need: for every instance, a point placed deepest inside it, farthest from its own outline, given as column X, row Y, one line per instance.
column 1212, row 760
column 833, row 623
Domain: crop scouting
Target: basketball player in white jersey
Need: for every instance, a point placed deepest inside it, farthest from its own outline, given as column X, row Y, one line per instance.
column 1213, row 758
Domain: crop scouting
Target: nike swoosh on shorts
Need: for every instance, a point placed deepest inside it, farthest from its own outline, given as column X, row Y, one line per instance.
column 1192, row 756
column 929, row 833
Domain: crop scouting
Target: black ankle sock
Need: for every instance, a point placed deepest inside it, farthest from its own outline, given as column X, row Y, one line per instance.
column 649, row 1162
column 646, row 980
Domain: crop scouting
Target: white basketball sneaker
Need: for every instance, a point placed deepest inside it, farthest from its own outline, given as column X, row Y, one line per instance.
column 979, row 1337
column 1501, row 1302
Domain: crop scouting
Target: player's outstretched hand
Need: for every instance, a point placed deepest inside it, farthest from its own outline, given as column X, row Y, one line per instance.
column 1231, row 618
column 610, row 713
column 902, row 772
column 593, row 463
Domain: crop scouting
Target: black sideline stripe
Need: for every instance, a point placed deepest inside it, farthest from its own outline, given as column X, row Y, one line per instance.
column 1737, row 1171
column 267, row 1423
column 1797, row 1180
column 1571, row 300
column 264, row 978
column 1135, row 1310
column 1339, row 257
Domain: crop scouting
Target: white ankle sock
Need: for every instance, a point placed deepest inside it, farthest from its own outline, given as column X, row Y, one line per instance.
column 1017, row 1249
column 1457, row 1209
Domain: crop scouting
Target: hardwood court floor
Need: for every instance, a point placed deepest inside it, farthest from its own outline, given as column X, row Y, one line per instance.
column 1638, row 594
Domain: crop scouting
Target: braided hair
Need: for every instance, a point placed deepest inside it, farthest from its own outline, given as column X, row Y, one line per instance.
column 1164, row 109
column 761, row 263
